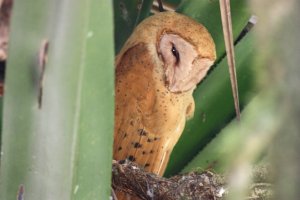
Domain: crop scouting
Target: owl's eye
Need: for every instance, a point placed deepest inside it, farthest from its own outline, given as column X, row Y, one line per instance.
column 175, row 53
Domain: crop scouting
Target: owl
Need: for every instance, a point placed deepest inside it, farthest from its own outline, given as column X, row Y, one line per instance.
column 157, row 70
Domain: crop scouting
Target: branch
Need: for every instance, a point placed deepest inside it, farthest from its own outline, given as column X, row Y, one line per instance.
column 228, row 37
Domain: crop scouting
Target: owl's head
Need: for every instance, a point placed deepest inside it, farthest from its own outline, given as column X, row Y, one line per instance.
column 184, row 48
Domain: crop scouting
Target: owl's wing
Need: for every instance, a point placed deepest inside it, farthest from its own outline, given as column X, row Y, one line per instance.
column 135, row 101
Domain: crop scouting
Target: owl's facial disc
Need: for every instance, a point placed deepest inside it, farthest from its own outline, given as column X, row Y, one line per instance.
column 183, row 66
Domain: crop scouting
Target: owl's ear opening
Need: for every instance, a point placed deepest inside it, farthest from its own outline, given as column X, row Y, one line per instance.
column 178, row 81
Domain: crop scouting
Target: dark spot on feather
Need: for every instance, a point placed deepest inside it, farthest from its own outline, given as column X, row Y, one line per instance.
column 147, row 165
column 137, row 145
column 149, row 140
column 151, row 151
column 131, row 158
column 120, row 148
column 144, row 152
column 142, row 132
column 125, row 135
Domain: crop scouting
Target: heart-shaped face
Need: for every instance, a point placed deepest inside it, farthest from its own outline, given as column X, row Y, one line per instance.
column 184, row 67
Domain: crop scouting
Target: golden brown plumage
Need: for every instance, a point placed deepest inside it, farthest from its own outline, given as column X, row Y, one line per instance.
column 156, row 72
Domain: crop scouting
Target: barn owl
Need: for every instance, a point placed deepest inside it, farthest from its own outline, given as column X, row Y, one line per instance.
column 157, row 70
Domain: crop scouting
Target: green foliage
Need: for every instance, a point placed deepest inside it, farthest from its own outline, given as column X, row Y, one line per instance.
column 207, row 12
column 127, row 15
column 218, row 154
column 63, row 149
